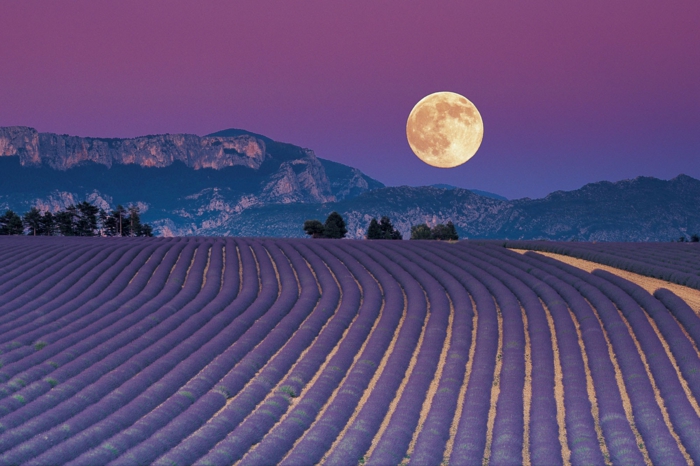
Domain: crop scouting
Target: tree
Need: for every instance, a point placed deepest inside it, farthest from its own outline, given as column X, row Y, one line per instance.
column 334, row 226
column 66, row 221
column 11, row 224
column 48, row 224
column 421, row 231
column 119, row 215
column 373, row 230
column 132, row 226
column 695, row 238
column 382, row 229
column 313, row 228
column 440, row 232
column 86, row 219
column 388, row 230
column 32, row 221
column 146, row 230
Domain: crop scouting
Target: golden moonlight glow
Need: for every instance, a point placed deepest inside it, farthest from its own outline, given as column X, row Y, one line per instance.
column 444, row 129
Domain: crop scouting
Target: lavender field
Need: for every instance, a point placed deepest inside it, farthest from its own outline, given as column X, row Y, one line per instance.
column 213, row 351
column 674, row 262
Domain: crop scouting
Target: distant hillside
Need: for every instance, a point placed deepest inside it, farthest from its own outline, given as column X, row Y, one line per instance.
column 475, row 191
column 235, row 182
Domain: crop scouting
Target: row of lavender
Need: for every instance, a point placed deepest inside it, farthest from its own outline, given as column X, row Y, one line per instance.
column 204, row 351
column 674, row 262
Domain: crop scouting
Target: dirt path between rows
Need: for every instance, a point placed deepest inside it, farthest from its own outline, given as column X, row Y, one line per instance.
column 689, row 295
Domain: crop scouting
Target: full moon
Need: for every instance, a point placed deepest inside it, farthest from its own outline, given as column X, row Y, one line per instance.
column 444, row 129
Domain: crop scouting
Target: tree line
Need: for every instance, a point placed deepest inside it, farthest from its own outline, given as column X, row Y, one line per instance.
column 83, row 219
column 334, row 227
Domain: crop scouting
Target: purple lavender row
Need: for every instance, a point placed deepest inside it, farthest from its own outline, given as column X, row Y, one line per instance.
column 680, row 411
column 185, row 360
column 254, row 427
column 681, row 311
column 301, row 306
column 110, row 392
column 365, row 427
column 56, row 315
column 60, row 403
column 543, row 426
column 282, row 437
column 393, row 444
column 470, row 438
column 350, row 380
column 620, row 440
column 681, row 347
column 38, row 283
column 25, row 259
column 25, row 256
column 251, row 309
column 580, row 425
column 64, row 288
column 661, row 446
column 235, row 320
column 103, row 343
column 633, row 265
column 102, row 316
column 508, row 429
column 435, row 431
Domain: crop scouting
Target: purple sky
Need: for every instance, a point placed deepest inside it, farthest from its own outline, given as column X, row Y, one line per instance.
column 570, row 92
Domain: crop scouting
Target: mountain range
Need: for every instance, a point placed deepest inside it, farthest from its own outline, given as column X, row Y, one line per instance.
column 235, row 182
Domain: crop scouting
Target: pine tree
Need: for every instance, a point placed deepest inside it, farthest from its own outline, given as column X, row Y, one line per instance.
column 132, row 226
column 86, row 222
column 373, row 230
column 48, row 224
column 388, row 230
column 334, row 226
column 11, row 224
column 421, row 231
column 452, row 231
column 313, row 228
column 119, row 215
column 32, row 221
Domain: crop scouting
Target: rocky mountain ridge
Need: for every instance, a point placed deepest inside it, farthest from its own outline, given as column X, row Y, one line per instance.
column 239, row 183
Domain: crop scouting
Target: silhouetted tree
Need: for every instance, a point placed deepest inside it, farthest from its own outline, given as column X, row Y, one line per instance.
column 334, row 226
column 86, row 219
column 439, row 232
column 388, row 230
column 313, row 228
column 382, row 229
column 33, row 221
column 11, row 224
column 695, row 238
column 421, row 231
column 119, row 215
column 373, row 230
column 48, row 224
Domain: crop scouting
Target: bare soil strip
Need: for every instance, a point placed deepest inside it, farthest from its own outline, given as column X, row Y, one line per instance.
column 558, row 389
column 527, row 391
column 404, row 382
column 295, row 400
column 674, row 363
column 463, row 389
column 657, row 393
column 590, row 388
column 432, row 389
column 626, row 403
column 495, row 389
column 331, row 398
column 206, row 268
column 689, row 295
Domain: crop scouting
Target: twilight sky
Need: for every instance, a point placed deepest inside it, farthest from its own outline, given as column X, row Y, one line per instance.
column 570, row 92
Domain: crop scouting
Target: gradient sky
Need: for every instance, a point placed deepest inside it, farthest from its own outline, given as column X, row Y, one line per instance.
column 570, row 92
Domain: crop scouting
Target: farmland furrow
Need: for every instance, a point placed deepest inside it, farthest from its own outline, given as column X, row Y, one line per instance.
column 663, row 448
column 86, row 353
column 353, row 367
column 385, row 403
column 63, row 405
column 292, row 395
